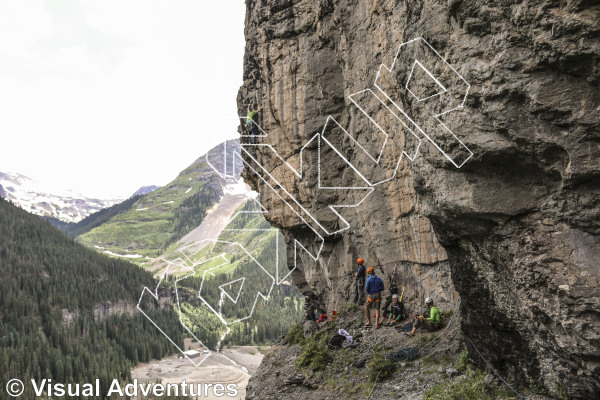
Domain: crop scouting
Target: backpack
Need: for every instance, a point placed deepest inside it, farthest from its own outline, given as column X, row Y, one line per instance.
column 336, row 341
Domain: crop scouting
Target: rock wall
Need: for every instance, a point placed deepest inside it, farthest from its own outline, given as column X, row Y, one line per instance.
column 105, row 310
column 514, row 230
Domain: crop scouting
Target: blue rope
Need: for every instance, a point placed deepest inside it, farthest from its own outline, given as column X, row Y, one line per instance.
column 492, row 368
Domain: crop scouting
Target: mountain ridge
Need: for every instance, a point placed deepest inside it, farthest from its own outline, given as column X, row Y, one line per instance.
column 64, row 205
column 93, row 220
column 145, row 190
column 147, row 225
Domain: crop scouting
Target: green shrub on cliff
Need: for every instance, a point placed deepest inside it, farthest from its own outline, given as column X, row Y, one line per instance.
column 471, row 387
column 463, row 360
column 380, row 368
column 315, row 354
column 350, row 307
column 295, row 334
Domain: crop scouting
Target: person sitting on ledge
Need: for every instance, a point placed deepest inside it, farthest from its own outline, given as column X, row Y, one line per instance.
column 395, row 314
column 431, row 324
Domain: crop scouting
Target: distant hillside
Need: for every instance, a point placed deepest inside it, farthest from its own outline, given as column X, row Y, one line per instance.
column 145, row 190
column 36, row 198
column 57, row 223
column 94, row 220
column 50, row 287
column 150, row 224
column 269, row 318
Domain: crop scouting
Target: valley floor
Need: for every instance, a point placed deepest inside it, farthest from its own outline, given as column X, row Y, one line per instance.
column 215, row 369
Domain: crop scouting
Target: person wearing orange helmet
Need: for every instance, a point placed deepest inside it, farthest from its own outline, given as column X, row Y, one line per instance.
column 374, row 287
column 359, row 284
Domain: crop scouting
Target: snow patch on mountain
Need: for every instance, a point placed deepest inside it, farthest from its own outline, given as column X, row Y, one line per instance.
column 60, row 203
column 240, row 187
column 110, row 253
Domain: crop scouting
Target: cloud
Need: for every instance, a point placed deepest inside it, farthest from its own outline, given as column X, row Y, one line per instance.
column 106, row 96
column 72, row 33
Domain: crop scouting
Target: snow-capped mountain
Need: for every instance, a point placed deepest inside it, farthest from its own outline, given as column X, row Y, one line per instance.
column 65, row 205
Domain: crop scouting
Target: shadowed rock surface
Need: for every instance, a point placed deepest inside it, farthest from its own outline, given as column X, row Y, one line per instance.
column 514, row 230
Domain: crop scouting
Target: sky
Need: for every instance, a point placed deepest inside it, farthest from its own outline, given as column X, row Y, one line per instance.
column 106, row 96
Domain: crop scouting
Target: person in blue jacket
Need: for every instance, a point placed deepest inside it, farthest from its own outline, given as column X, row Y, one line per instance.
column 374, row 288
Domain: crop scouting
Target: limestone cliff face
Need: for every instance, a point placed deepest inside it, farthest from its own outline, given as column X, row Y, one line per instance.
column 514, row 230
column 105, row 310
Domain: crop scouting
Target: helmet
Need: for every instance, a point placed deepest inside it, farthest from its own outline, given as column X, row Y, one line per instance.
column 428, row 300
column 360, row 261
column 395, row 296
column 370, row 270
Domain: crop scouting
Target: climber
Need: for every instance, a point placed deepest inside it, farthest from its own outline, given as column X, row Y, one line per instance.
column 374, row 288
column 393, row 278
column 309, row 309
column 359, row 284
column 431, row 324
column 395, row 314
column 251, row 124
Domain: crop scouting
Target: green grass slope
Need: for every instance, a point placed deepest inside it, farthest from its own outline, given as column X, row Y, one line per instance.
column 93, row 220
column 270, row 318
column 154, row 221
